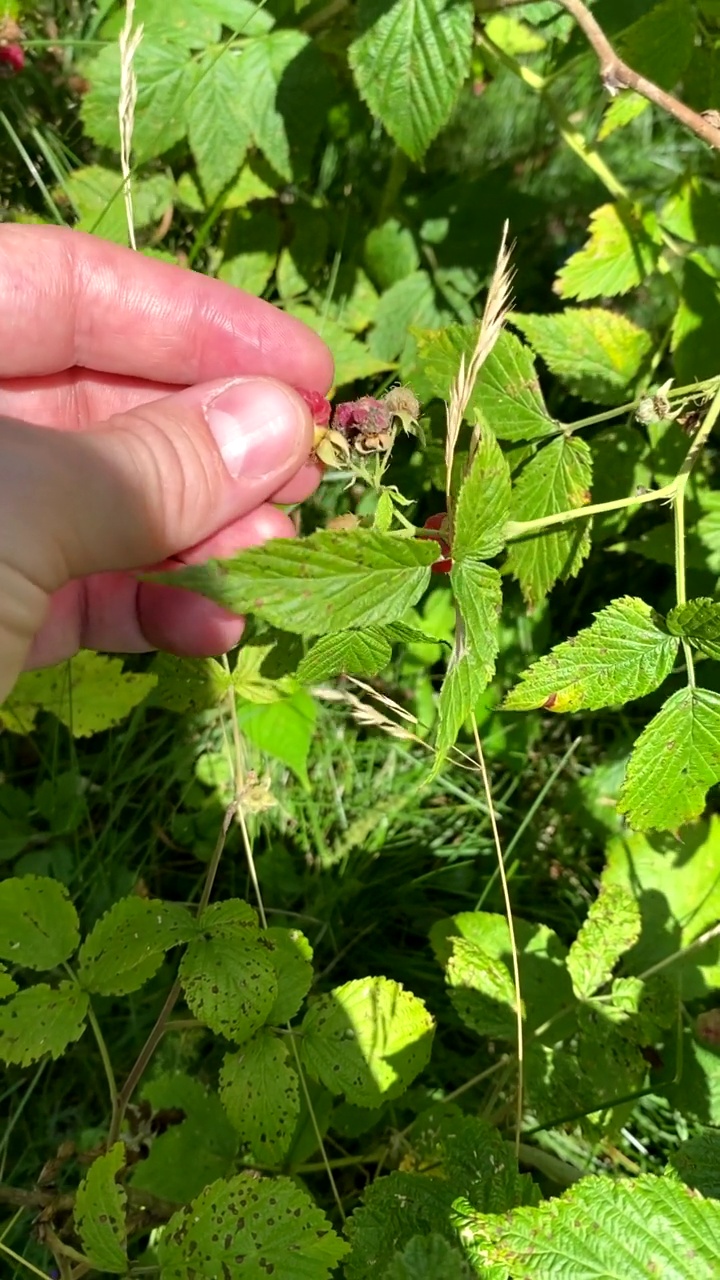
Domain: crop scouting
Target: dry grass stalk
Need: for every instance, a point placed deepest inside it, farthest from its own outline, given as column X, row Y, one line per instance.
column 129, row 41
column 497, row 305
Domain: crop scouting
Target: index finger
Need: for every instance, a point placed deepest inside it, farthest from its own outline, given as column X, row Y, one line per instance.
column 71, row 300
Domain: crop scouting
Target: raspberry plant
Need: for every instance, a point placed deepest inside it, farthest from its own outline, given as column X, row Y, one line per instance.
column 515, row 544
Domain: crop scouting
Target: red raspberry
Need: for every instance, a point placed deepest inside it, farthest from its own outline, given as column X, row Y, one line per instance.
column 367, row 412
column 13, row 57
column 319, row 407
column 444, row 564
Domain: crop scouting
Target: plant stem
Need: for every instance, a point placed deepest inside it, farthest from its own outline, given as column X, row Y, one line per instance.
column 105, row 1058
column 158, row 1031
column 22, row 1261
column 523, row 528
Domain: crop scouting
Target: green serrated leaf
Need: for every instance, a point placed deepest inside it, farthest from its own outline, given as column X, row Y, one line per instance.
column 624, row 654
column 483, row 503
column 100, row 1213
column 38, row 922
column 227, row 974
column 595, row 352
column 660, row 44
column 357, row 653
column 218, row 126
column 633, row 1228
column 368, row 1039
column 189, row 22
column 96, row 194
column 41, row 1020
column 620, row 253
column 128, row 944
column 699, row 622
column 697, row 1162
column 428, row 1258
column 285, row 89
column 557, row 479
column 409, row 303
column 188, row 684
column 260, row 1092
column 187, row 1156
column 464, row 1156
column 283, row 729
column 88, row 695
column 678, row 892
column 291, row 958
column 478, row 594
column 544, row 983
column 166, row 78
column 249, row 678
column 674, row 762
column 620, row 112
column 354, row 360
column 481, row 990
column 409, row 61
column 610, row 928
column 507, row 396
column 320, row 584
column 271, row 1224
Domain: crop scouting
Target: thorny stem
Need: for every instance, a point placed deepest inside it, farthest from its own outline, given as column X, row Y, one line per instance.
column 172, row 997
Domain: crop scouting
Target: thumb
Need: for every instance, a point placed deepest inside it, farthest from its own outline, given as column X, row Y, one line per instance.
column 136, row 489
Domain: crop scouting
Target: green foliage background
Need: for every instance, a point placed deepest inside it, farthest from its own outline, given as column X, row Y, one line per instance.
column 355, row 164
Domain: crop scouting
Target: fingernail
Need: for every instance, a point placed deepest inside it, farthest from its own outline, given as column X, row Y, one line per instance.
column 259, row 428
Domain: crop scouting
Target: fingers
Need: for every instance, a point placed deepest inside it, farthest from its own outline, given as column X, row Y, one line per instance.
column 114, row 613
column 71, row 299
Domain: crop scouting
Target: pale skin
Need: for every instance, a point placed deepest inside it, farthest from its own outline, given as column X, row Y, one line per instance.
column 121, row 379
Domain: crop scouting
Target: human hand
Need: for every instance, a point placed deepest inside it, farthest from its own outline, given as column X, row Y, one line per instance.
column 106, row 465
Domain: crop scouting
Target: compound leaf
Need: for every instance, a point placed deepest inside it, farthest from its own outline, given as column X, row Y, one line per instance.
column 127, row 945
column 100, row 1213
column 699, row 622
column 324, row 583
column 263, row 1225
column 632, row 1228
column 260, row 1093
column 624, row 654
column 596, row 353
column 38, row 922
column 410, row 61
column 557, row 479
column 610, row 928
column 166, row 78
column 41, row 1020
column 620, row 253
column 227, row 973
column 368, row 1039
column 483, row 503
column 674, row 762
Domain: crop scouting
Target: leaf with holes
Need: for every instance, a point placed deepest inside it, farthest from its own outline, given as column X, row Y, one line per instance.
column 41, row 1020
column 557, row 479
column 291, row 957
column 409, row 61
column 320, row 584
column 227, row 973
column 260, row 1093
column 38, row 922
column 264, row 1225
column 611, row 927
column 128, row 944
column 674, row 763
column 625, row 654
column 368, row 1039
column 100, row 1213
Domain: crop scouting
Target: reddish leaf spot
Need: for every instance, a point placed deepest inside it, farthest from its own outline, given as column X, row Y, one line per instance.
column 549, row 702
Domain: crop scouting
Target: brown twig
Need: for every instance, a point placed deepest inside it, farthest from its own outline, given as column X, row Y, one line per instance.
column 616, row 75
column 144, row 1201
